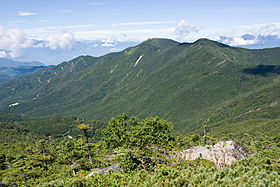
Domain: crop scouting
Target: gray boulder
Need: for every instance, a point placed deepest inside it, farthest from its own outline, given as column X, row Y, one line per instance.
column 223, row 153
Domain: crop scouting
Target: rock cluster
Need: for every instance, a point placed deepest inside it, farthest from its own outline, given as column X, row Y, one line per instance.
column 223, row 153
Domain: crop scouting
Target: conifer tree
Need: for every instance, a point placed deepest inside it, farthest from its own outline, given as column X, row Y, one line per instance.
column 85, row 129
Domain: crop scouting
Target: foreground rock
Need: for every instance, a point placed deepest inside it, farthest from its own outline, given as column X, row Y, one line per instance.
column 115, row 167
column 223, row 153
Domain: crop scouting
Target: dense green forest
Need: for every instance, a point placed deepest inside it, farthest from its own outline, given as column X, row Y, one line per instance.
column 54, row 152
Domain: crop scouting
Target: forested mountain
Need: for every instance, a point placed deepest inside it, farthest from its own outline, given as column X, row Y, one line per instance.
column 186, row 83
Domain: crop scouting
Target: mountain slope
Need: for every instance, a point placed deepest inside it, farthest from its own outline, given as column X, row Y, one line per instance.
column 182, row 82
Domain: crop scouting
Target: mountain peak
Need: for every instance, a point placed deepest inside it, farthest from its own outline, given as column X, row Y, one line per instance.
column 205, row 41
column 160, row 42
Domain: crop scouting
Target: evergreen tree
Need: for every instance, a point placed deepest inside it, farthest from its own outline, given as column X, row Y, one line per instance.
column 85, row 128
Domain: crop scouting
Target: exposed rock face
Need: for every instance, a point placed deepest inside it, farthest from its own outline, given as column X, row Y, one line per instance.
column 115, row 167
column 223, row 153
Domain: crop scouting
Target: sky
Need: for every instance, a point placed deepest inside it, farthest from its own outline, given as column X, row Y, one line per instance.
column 60, row 25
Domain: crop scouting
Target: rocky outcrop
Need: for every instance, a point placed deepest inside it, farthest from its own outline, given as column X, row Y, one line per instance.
column 115, row 167
column 223, row 153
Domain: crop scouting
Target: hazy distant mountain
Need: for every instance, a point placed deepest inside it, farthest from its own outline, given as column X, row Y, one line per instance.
column 187, row 83
column 10, row 69
column 8, row 73
column 4, row 62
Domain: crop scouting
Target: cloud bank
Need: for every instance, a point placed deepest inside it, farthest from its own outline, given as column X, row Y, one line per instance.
column 63, row 40
column 252, row 34
column 12, row 41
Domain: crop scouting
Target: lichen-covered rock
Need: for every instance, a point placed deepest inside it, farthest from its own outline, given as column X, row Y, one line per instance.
column 223, row 153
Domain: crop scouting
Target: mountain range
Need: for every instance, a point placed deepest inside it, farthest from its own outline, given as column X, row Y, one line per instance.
column 10, row 69
column 54, row 56
column 190, row 84
column 4, row 62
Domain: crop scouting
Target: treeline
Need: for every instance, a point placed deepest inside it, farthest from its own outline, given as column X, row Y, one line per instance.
column 59, row 127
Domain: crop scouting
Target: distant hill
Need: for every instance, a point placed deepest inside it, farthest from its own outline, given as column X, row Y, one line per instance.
column 190, row 84
column 4, row 62
column 10, row 69
column 8, row 73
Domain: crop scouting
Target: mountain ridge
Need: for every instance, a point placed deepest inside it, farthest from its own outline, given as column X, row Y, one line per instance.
column 179, row 82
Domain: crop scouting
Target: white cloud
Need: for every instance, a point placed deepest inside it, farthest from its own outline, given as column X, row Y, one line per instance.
column 240, row 41
column 3, row 54
column 108, row 43
column 234, row 36
column 63, row 40
column 231, row 36
column 24, row 13
column 13, row 40
column 260, row 29
column 183, row 30
column 141, row 23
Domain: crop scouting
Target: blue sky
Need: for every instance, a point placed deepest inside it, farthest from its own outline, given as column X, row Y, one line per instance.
column 59, row 24
column 214, row 13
